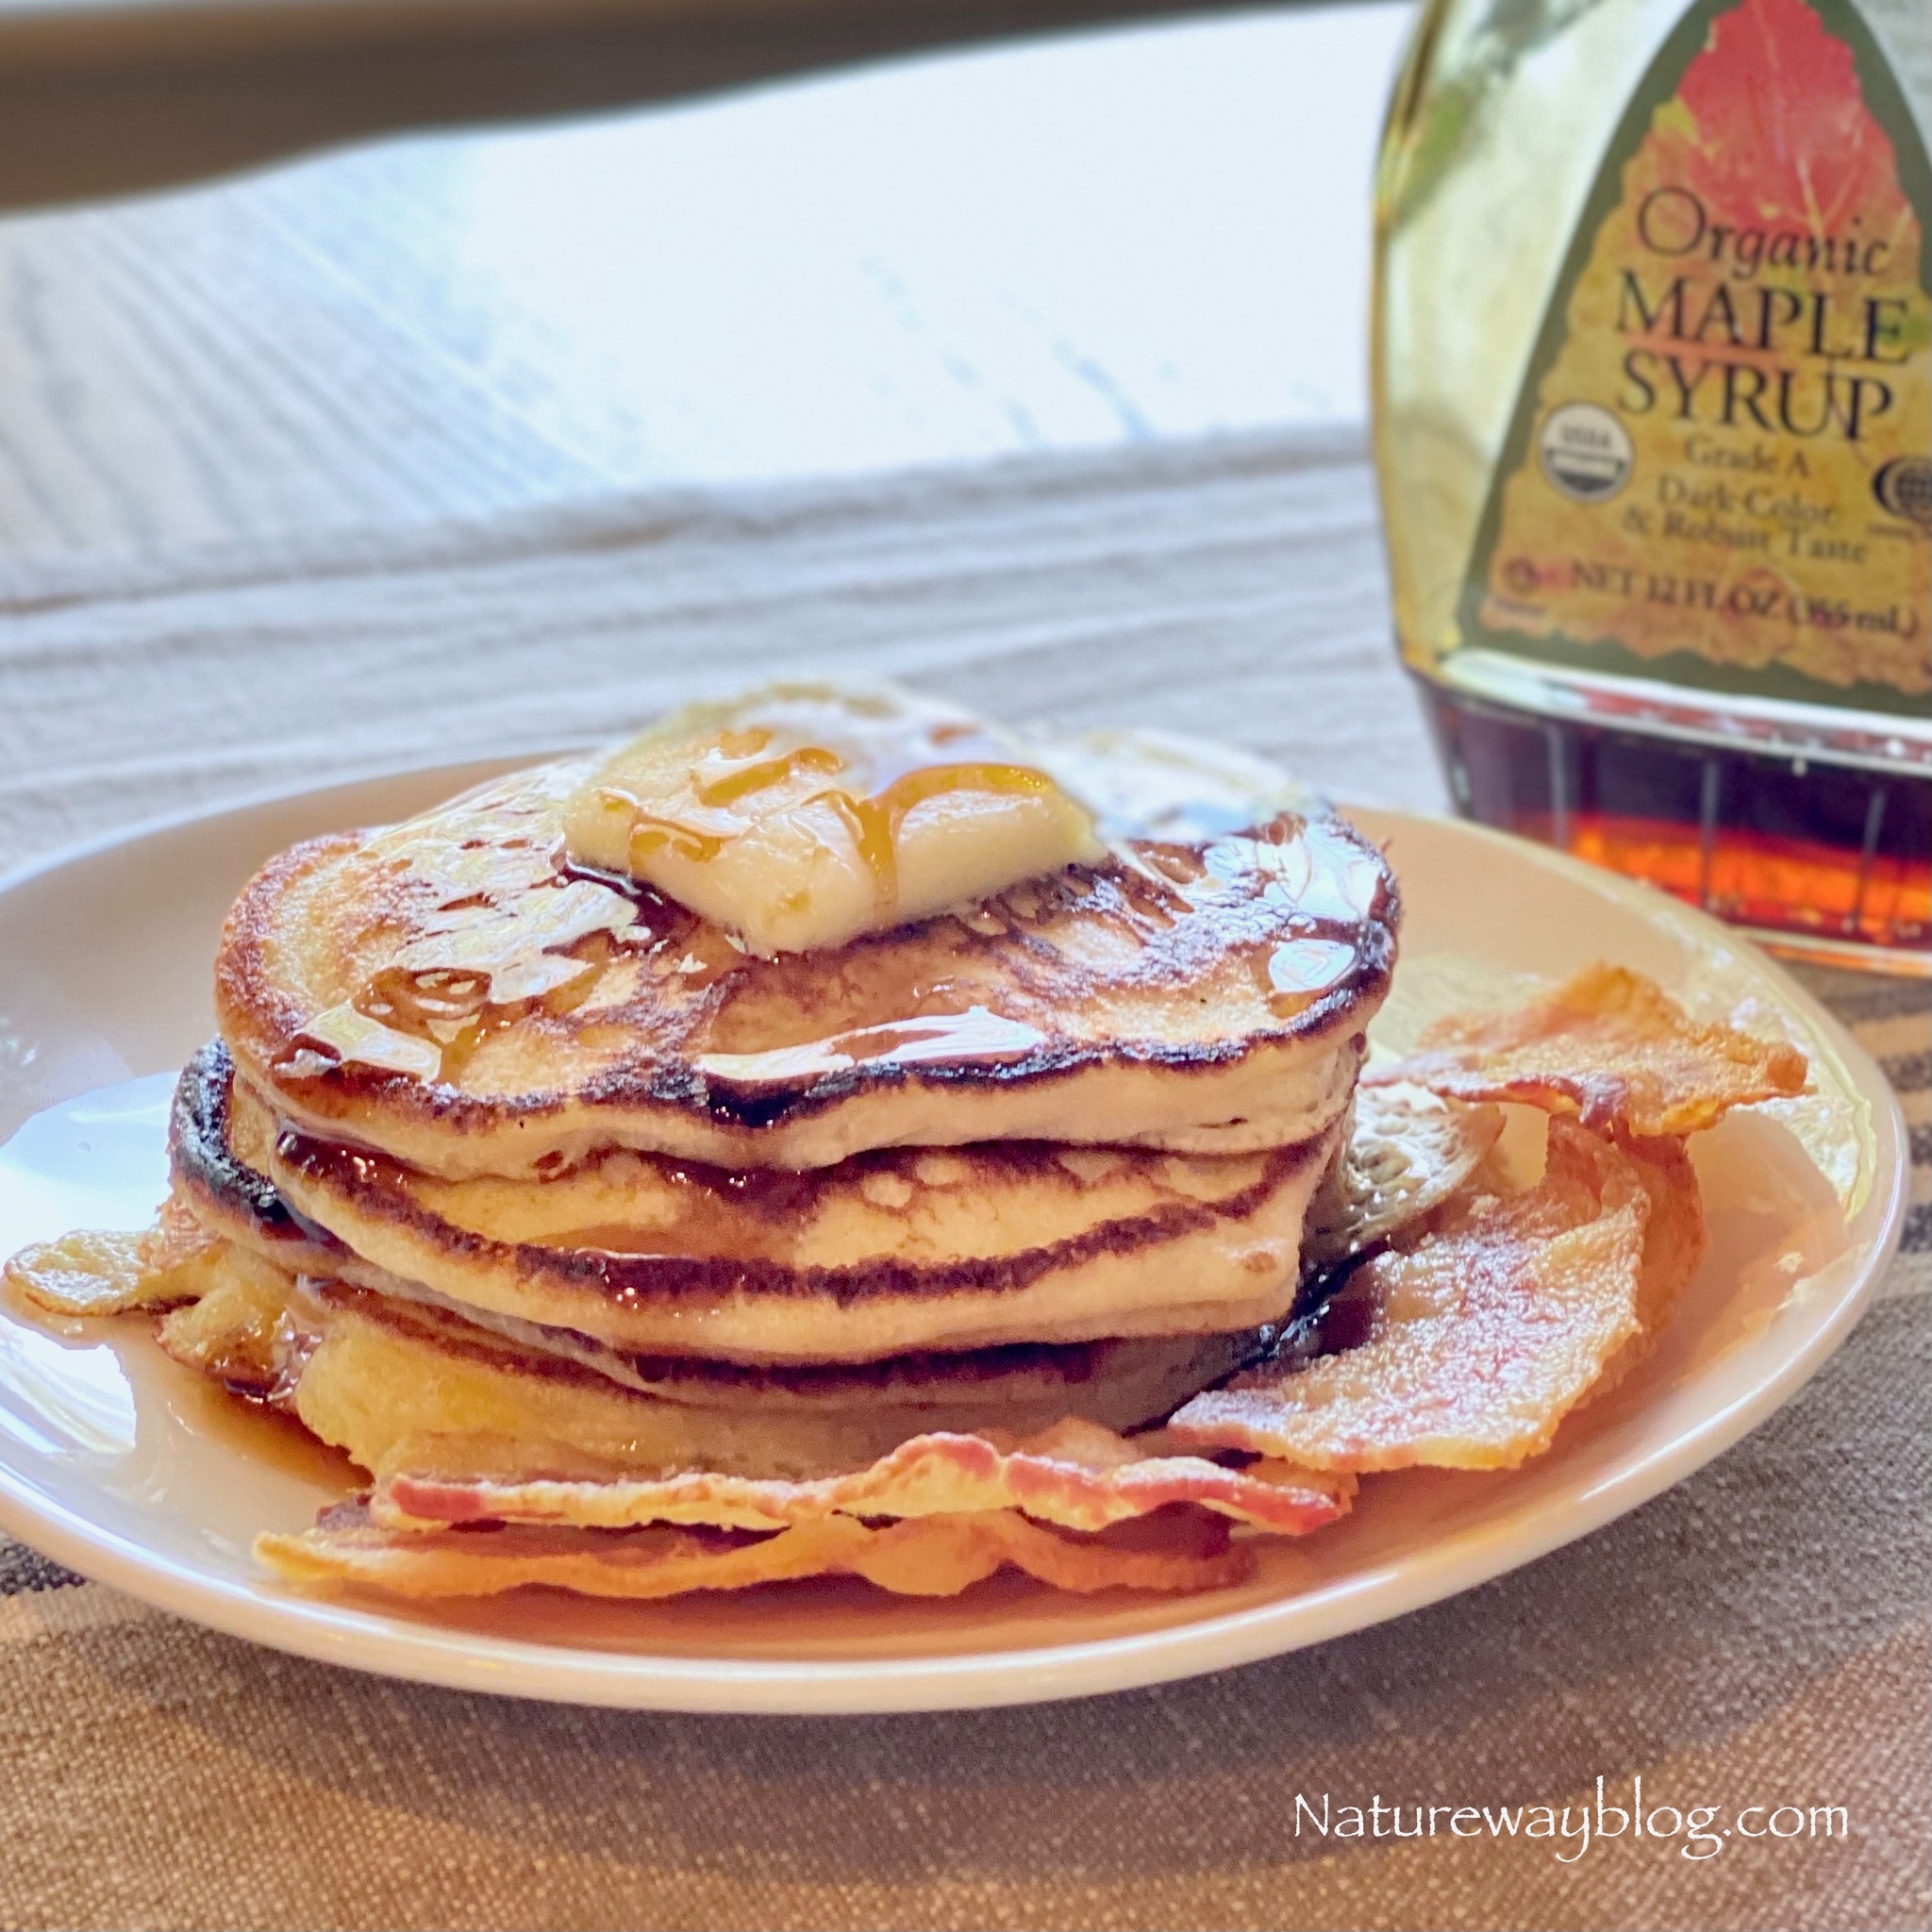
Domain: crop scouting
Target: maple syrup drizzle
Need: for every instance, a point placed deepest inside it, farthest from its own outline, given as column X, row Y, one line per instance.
column 732, row 770
column 876, row 819
column 650, row 834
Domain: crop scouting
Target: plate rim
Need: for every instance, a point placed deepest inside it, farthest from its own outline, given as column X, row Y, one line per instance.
column 353, row 1637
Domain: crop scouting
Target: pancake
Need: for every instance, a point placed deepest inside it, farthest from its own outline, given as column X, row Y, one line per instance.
column 452, row 993
column 286, row 1313
column 895, row 1251
column 367, row 1373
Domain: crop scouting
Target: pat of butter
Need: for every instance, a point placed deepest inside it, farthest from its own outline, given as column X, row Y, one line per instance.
column 802, row 815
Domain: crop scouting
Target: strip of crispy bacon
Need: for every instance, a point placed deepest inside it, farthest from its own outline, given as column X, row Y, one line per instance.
column 1609, row 1047
column 931, row 1556
column 1674, row 1240
column 1077, row 1476
column 1479, row 1338
column 107, row 1274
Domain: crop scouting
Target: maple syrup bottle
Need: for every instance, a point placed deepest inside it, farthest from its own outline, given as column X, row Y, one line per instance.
column 1653, row 366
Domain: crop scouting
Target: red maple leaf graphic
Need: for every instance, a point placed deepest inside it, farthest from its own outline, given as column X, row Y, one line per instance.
column 1782, row 137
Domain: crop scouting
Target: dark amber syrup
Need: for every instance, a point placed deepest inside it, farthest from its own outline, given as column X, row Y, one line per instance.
column 1832, row 861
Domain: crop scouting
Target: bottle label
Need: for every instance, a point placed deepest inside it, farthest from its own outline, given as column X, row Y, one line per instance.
column 1719, row 469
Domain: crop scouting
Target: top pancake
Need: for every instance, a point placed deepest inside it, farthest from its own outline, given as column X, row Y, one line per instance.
column 450, row 991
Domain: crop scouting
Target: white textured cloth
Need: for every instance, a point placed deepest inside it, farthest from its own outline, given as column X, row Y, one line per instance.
column 1232, row 588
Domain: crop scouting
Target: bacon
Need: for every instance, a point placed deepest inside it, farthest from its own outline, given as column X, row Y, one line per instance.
column 1077, row 1476
column 1609, row 1047
column 1481, row 1337
column 931, row 1556
column 93, row 1274
column 1675, row 1239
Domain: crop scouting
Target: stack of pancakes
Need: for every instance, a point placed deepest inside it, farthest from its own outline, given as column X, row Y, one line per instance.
column 493, row 1147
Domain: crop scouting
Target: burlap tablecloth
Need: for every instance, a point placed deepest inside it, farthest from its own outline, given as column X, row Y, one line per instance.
column 1758, row 1637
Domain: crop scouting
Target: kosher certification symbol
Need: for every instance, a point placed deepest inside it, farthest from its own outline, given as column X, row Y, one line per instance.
column 1903, row 489
column 1585, row 452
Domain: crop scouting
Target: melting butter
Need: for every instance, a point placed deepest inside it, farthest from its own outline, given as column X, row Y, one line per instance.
column 802, row 815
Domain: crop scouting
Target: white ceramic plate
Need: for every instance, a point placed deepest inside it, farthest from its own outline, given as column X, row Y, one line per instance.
column 115, row 1461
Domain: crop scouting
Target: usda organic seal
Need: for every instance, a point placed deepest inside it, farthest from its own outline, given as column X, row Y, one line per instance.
column 1585, row 452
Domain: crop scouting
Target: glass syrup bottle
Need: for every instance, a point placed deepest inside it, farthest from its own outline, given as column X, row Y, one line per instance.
column 1653, row 369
